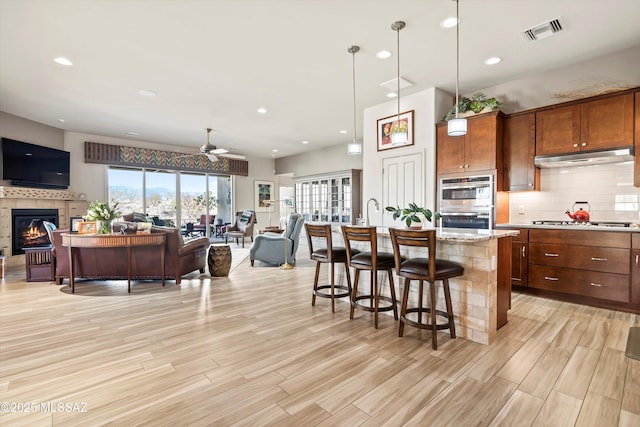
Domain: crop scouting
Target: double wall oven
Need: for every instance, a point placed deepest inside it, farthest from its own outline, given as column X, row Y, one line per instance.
column 467, row 202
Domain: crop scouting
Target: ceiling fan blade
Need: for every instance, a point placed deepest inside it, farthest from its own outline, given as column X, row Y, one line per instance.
column 212, row 157
column 219, row 151
column 233, row 156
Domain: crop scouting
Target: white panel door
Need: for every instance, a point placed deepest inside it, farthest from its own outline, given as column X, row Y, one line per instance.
column 402, row 183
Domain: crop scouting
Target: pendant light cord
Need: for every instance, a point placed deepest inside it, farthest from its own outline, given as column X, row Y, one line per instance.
column 398, row 92
column 457, row 54
column 353, row 51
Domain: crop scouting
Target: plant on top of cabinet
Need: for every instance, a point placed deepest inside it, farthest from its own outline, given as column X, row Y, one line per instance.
column 478, row 103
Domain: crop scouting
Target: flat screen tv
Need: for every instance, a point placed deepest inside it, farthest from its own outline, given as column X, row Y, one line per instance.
column 31, row 165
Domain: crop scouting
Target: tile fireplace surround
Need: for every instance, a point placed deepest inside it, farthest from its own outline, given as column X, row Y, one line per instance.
column 28, row 198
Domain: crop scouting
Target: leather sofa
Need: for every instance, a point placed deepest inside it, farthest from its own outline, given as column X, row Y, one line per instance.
column 111, row 263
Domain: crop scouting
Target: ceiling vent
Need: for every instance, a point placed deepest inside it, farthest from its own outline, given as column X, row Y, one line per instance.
column 392, row 84
column 543, row 31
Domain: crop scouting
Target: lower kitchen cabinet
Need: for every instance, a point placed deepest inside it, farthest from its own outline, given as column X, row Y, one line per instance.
column 600, row 268
column 607, row 286
column 519, row 258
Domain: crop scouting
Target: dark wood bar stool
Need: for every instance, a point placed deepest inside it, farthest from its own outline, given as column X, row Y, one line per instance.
column 323, row 255
column 373, row 261
column 427, row 269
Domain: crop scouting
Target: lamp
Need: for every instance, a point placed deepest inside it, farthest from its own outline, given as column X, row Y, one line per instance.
column 398, row 136
column 286, row 265
column 354, row 148
column 457, row 126
column 376, row 204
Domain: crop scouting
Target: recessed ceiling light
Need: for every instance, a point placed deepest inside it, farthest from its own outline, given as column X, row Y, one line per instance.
column 343, row 131
column 145, row 92
column 262, row 110
column 493, row 60
column 306, row 142
column 63, row 61
column 132, row 134
column 383, row 54
column 61, row 120
column 391, row 95
column 275, row 150
column 449, row 22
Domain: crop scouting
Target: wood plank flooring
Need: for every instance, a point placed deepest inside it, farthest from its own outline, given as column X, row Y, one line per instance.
column 250, row 350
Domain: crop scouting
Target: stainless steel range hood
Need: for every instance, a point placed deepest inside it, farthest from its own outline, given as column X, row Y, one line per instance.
column 585, row 159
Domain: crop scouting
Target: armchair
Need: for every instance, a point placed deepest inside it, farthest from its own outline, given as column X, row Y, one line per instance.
column 201, row 227
column 270, row 247
column 242, row 228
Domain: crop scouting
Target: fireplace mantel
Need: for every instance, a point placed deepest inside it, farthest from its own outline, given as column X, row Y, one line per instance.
column 35, row 193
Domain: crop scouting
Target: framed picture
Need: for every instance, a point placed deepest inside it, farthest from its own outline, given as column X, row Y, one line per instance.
column 74, row 222
column 389, row 125
column 87, row 227
column 264, row 191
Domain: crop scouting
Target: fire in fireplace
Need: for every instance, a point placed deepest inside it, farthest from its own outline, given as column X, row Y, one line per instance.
column 28, row 230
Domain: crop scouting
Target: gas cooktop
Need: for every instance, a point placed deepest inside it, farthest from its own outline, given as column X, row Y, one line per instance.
column 583, row 224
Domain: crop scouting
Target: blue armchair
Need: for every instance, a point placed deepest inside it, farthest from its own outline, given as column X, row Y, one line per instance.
column 270, row 247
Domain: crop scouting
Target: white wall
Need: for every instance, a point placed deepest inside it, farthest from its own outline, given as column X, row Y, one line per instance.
column 320, row 161
column 429, row 107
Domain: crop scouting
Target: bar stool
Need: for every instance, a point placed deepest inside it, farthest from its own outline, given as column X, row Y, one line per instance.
column 373, row 261
column 424, row 269
column 328, row 254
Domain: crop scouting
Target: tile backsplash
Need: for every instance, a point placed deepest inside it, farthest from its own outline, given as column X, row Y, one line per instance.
column 608, row 189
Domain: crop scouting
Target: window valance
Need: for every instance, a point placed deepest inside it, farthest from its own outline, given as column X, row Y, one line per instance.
column 95, row 152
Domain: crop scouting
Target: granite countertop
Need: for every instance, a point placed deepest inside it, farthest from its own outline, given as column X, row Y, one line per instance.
column 631, row 229
column 462, row 235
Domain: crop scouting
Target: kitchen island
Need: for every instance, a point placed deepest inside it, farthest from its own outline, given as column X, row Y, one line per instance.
column 482, row 296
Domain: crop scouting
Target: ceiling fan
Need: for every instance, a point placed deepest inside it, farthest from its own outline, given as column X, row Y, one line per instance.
column 213, row 153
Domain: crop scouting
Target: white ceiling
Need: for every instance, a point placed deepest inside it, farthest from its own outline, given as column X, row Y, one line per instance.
column 214, row 62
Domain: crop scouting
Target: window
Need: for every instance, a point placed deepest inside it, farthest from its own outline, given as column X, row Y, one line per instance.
column 155, row 192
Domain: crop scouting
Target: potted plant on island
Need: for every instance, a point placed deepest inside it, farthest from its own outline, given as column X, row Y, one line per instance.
column 410, row 214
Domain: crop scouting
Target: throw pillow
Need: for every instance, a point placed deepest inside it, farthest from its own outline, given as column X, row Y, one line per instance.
column 139, row 217
column 246, row 216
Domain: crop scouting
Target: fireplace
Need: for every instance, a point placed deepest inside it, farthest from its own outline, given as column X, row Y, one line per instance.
column 28, row 230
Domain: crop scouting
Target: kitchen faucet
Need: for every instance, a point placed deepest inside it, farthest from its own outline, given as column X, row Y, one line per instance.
column 377, row 205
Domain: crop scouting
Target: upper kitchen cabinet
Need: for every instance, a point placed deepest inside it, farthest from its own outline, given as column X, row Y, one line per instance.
column 480, row 149
column 603, row 123
column 520, row 173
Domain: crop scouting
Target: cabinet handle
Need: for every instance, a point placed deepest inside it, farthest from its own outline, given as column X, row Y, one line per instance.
column 575, row 145
column 598, row 285
column 548, row 254
column 553, row 279
column 598, row 259
column 524, row 255
column 637, row 260
column 584, row 144
column 461, row 166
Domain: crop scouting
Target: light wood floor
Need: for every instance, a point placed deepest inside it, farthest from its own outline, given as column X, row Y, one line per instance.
column 250, row 350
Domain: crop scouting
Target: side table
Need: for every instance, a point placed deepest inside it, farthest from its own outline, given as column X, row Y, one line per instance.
column 219, row 260
column 40, row 264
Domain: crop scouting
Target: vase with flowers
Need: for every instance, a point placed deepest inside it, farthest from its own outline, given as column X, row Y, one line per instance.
column 409, row 215
column 103, row 214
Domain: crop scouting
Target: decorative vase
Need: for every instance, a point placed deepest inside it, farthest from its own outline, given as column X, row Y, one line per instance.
column 104, row 227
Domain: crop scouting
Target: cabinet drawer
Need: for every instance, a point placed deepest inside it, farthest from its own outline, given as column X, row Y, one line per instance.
column 609, row 239
column 608, row 286
column 609, row 260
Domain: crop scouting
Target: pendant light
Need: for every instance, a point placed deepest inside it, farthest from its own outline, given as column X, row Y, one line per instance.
column 457, row 126
column 398, row 137
column 354, row 148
